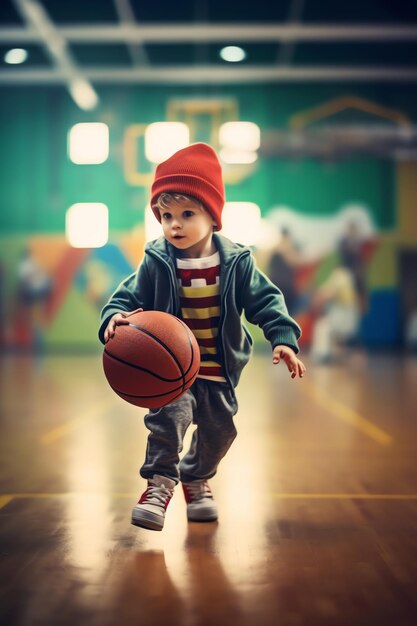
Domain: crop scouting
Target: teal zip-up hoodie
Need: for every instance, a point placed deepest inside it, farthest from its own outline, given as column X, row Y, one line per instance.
column 243, row 288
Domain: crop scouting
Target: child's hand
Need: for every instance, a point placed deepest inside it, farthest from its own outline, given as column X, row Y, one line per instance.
column 117, row 320
column 294, row 365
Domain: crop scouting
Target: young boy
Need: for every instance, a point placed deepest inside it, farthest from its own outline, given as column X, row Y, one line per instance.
column 206, row 280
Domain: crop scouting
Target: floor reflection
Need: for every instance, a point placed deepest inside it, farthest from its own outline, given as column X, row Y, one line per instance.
column 212, row 598
column 88, row 534
column 146, row 592
column 89, row 517
column 184, row 583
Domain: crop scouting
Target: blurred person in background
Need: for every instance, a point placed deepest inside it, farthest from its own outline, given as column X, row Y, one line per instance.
column 34, row 286
column 350, row 249
column 282, row 268
column 411, row 332
column 337, row 313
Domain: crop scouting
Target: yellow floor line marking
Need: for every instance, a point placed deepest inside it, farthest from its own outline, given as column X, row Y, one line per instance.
column 60, row 431
column 349, row 416
column 67, row 427
column 6, row 498
column 346, row 496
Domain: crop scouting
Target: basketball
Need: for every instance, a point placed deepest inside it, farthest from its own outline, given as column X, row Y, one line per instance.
column 151, row 361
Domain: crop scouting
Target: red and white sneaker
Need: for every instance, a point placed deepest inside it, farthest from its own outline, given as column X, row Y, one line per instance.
column 201, row 506
column 150, row 510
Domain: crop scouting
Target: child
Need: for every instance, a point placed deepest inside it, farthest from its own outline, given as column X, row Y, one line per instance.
column 207, row 280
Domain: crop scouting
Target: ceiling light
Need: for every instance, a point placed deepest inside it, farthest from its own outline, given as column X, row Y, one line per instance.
column 162, row 139
column 242, row 222
column 16, row 56
column 153, row 228
column 83, row 94
column 88, row 142
column 232, row 54
column 237, row 156
column 240, row 136
column 87, row 225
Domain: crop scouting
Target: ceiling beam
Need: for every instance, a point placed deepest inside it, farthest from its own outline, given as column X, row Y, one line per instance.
column 195, row 33
column 38, row 21
column 286, row 50
column 127, row 17
column 203, row 74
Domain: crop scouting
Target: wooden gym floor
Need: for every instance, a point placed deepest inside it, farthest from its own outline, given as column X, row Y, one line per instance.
column 317, row 499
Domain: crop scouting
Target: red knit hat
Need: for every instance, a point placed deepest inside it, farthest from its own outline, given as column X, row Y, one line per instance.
column 194, row 171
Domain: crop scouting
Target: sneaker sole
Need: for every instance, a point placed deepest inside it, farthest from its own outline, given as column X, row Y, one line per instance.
column 202, row 519
column 146, row 520
column 202, row 516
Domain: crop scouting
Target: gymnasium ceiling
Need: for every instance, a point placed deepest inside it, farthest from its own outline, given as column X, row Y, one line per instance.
column 178, row 41
column 83, row 44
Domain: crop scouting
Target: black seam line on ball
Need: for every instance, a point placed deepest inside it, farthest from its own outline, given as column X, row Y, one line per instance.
column 160, row 343
column 163, row 345
column 142, row 369
column 157, row 395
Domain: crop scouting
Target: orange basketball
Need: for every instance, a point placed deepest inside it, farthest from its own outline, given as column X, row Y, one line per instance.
column 151, row 361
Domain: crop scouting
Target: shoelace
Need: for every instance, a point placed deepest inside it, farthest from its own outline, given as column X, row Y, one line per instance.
column 156, row 495
column 199, row 489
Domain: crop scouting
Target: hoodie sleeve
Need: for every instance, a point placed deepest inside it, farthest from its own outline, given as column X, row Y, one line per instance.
column 131, row 294
column 264, row 305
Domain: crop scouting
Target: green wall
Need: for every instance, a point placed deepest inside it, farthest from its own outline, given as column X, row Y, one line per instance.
column 38, row 182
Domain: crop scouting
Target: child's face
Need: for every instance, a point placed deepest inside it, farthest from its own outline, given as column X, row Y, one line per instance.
column 186, row 224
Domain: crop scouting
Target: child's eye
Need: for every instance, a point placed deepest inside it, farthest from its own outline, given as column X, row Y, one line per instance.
column 188, row 213
column 166, row 216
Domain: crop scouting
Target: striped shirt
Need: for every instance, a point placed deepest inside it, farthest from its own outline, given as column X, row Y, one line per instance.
column 199, row 290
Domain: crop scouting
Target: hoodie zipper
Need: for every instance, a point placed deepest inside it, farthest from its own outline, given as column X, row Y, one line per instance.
column 223, row 315
column 174, row 292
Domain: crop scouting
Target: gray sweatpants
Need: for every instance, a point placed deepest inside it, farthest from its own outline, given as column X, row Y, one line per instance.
column 208, row 404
